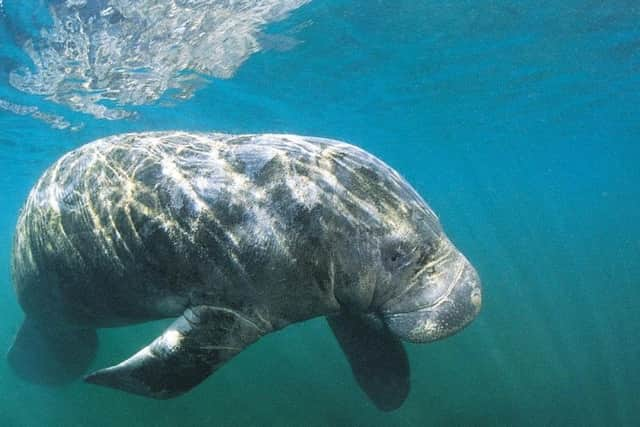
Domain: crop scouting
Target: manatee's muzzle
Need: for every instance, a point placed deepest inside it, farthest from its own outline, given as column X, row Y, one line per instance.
column 451, row 312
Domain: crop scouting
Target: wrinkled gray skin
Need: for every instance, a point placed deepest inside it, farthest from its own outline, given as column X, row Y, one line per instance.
column 236, row 237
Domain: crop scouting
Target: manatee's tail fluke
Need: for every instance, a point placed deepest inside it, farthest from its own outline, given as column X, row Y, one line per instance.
column 194, row 346
column 50, row 354
column 377, row 358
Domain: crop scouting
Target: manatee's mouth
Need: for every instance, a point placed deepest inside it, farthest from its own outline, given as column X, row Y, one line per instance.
column 449, row 313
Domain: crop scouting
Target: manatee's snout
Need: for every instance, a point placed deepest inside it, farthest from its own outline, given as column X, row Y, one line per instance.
column 447, row 301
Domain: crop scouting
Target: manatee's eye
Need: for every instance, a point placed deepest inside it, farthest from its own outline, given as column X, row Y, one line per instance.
column 397, row 254
column 393, row 259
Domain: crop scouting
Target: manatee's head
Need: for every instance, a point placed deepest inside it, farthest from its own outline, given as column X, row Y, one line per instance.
column 441, row 296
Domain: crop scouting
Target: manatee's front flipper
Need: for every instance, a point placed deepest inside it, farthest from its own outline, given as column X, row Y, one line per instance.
column 51, row 354
column 377, row 358
column 194, row 346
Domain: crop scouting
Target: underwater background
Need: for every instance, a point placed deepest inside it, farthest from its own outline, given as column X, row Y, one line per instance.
column 517, row 121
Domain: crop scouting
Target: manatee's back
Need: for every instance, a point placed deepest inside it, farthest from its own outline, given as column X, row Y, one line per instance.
column 105, row 237
column 70, row 237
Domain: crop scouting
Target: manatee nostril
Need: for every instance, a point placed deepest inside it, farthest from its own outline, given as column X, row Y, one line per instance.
column 476, row 298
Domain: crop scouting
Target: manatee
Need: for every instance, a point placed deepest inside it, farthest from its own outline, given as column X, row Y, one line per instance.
column 234, row 236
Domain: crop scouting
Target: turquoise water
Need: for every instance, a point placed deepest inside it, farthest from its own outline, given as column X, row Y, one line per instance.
column 517, row 121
